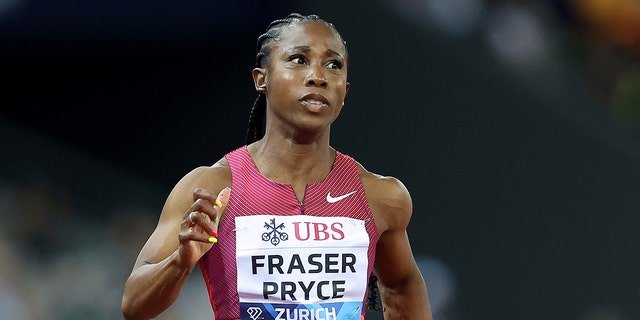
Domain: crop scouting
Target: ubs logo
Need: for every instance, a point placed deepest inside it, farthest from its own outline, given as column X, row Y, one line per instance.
column 274, row 234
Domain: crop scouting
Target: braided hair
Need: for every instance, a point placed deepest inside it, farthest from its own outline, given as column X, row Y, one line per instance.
column 257, row 117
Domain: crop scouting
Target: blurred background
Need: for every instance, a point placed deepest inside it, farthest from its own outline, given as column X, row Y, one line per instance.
column 514, row 124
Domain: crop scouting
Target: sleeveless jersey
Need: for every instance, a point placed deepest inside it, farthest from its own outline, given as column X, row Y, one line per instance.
column 278, row 258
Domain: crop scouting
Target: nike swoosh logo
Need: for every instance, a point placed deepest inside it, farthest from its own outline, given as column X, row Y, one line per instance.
column 331, row 199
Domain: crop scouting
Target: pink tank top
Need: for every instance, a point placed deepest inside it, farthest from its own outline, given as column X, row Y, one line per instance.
column 277, row 257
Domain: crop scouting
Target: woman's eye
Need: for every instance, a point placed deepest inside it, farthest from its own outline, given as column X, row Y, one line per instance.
column 335, row 64
column 297, row 59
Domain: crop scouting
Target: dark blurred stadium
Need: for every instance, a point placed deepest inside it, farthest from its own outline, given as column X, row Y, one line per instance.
column 514, row 124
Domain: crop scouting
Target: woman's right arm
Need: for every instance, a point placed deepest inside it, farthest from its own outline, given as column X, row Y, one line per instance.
column 175, row 246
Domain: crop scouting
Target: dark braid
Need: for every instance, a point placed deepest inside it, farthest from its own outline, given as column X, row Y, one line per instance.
column 374, row 302
column 257, row 117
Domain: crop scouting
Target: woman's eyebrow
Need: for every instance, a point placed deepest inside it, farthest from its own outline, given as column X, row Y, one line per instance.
column 307, row 48
column 299, row 48
column 335, row 53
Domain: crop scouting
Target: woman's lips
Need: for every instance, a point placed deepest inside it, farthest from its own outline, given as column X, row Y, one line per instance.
column 314, row 102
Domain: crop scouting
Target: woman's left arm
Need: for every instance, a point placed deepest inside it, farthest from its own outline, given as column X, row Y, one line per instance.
column 402, row 287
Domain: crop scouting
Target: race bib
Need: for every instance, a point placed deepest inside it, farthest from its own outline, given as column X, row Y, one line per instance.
column 301, row 267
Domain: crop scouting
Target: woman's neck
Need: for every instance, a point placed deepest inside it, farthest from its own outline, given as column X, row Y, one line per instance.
column 287, row 161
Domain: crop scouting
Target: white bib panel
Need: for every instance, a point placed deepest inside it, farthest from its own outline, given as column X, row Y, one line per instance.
column 301, row 267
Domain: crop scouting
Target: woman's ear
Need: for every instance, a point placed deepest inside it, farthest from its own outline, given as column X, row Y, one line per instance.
column 259, row 79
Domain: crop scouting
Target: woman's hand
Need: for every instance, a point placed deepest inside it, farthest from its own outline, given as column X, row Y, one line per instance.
column 199, row 228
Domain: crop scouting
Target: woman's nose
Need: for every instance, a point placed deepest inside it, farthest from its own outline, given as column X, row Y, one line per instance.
column 316, row 78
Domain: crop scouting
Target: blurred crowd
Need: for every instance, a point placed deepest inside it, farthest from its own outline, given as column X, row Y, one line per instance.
column 58, row 261
column 597, row 39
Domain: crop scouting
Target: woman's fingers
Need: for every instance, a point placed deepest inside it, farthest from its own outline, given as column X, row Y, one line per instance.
column 205, row 214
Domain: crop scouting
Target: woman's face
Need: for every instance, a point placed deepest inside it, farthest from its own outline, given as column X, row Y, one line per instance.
column 306, row 77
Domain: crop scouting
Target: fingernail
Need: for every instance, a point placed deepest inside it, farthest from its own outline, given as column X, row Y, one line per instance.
column 219, row 203
column 213, row 239
column 214, row 233
column 225, row 193
column 217, row 219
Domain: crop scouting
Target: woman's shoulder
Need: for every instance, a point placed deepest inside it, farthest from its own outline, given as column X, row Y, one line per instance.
column 388, row 198
column 214, row 177
column 381, row 187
